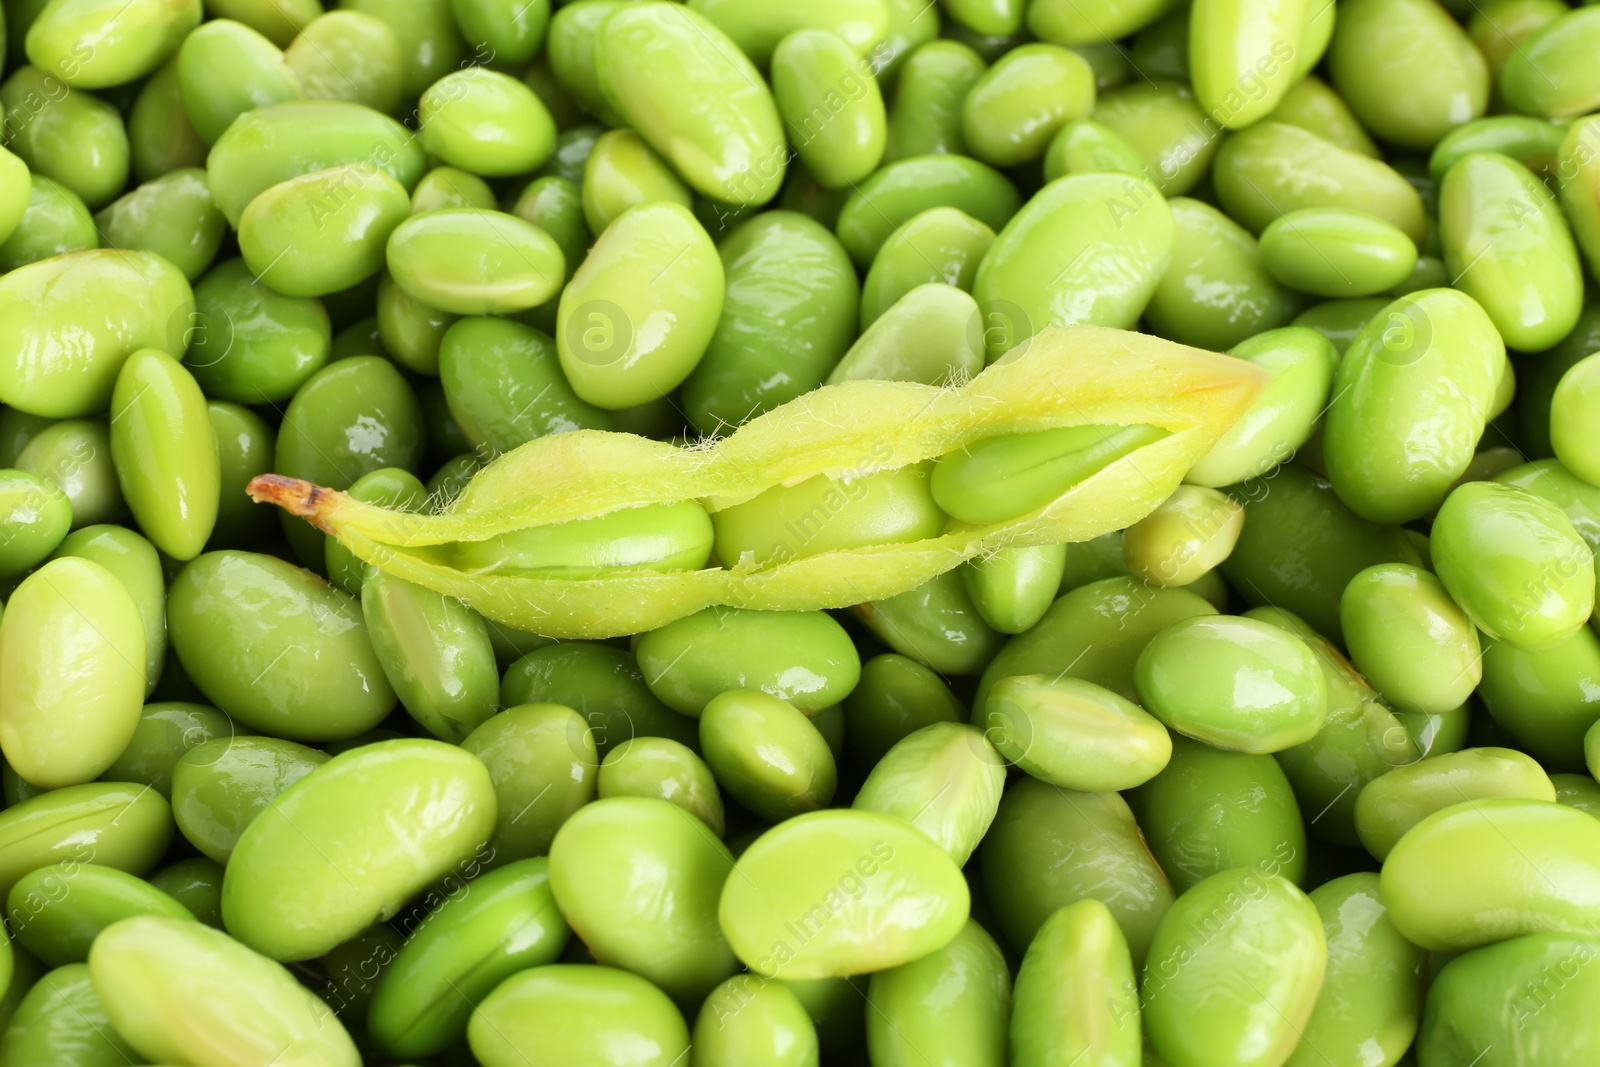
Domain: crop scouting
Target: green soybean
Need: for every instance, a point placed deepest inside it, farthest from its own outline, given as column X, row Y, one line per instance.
column 956, row 1000
column 945, row 779
column 902, row 190
column 35, row 515
column 578, row 1013
column 767, row 754
column 1336, row 252
column 831, row 107
column 1391, row 805
column 1074, row 734
column 221, row 786
column 1075, row 994
column 350, row 56
column 662, row 769
column 116, row 823
column 604, row 685
column 54, row 223
column 58, row 911
column 1546, row 74
column 542, row 761
column 73, row 137
column 225, row 68
column 747, row 1016
column 1410, row 639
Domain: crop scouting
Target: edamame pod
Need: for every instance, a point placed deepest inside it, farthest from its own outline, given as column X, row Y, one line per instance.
column 955, row 1001
column 833, row 893
column 391, row 838
column 1487, row 870
column 678, row 79
column 1076, row 998
column 71, row 673
column 389, row 486
column 1234, row 972
column 111, row 303
column 184, row 992
column 1038, row 261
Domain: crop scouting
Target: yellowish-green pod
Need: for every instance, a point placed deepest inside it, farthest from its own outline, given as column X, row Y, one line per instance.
column 96, row 44
column 831, row 107
column 624, row 172
column 848, row 431
column 685, row 86
column 1076, row 999
column 71, row 673
column 952, row 1004
column 1507, row 245
column 1391, row 805
column 68, row 323
column 165, row 452
column 945, row 779
column 1074, row 734
column 183, row 992
column 1371, row 993
column 1242, row 55
column 641, row 310
column 319, row 233
column 1090, row 248
column 346, row 55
